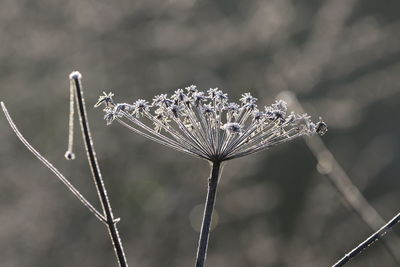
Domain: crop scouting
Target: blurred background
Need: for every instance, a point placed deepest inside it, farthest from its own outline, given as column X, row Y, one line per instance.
column 340, row 57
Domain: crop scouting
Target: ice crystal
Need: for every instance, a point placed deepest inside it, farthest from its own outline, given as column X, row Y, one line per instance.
column 206, row 125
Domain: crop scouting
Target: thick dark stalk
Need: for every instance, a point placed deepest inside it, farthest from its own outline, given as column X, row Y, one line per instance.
column 207, row 217
column 378, row 234
column 98, row 180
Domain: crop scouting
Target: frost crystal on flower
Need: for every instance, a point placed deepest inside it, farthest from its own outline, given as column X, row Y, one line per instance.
column 206, row 125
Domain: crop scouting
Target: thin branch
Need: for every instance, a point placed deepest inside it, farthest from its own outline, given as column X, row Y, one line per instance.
column 378, row 234
column 69, row 155
column 343, row 184
column 75, row 79
column 207, row 217
column 51, row 167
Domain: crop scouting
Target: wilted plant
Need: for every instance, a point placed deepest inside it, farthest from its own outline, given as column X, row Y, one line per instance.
column 201, row 124
column 208, row 126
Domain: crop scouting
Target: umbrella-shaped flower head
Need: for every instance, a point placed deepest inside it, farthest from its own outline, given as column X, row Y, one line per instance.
column 207, row 125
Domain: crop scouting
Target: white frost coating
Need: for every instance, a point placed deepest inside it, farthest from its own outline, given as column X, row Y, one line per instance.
column 207, row 125
column 75, row 75
column 51, row 167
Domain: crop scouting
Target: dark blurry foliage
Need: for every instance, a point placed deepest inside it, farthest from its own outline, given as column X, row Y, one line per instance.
column 341, row 57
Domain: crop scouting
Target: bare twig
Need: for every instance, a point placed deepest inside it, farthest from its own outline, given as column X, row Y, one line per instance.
column 342, row 183
column 375, row 236
column 51, row 167
column 107, row 217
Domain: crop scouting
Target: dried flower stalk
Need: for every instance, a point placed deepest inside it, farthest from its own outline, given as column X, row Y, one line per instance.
column 208, row 126
column 106, row 216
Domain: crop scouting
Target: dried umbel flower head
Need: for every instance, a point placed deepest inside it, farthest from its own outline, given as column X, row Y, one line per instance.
column 207, row 125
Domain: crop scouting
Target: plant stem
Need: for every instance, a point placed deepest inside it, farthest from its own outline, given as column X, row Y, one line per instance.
column 341, row 181
column 101, row 190
column 207, row 217
column 378, row 234
column 66, row 182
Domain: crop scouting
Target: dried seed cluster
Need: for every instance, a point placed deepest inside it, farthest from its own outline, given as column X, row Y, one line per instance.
column 207, row 125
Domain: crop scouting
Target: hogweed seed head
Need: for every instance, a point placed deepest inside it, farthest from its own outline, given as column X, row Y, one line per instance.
column 206, row 125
